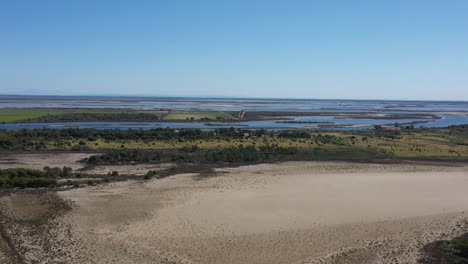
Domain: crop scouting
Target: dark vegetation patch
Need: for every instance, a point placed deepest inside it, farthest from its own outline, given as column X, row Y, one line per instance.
column 453, row 251
column 21, row 178
column 304, row 122
column 25, row 178
column 36, row 207
column 27, row 225
column 95, row 117
column 237, row 155
column 258, row 115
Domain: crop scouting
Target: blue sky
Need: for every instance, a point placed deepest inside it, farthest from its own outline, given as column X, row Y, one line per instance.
column 395, row 49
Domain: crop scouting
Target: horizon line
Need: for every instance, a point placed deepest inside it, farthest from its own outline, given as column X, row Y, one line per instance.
column 224, row 97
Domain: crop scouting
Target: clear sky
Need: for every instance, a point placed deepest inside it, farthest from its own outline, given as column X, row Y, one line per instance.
column 395, row 49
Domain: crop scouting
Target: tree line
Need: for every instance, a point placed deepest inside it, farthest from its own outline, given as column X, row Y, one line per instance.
column 239, row 154
column 37, row 139
column 235, row 154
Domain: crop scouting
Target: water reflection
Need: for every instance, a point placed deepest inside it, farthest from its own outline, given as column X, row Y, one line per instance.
column 446, row 120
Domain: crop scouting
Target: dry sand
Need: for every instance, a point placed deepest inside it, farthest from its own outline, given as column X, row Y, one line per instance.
column 73, row 160
column 297, row 212
column 39, row 160
column 135, row 169
column 4, row 257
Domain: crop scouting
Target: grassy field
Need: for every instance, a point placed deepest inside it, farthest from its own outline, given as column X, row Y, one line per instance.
column 407, row 146
column 199, row 116
column 12, row 115
column 15, row 115
column 421, row 143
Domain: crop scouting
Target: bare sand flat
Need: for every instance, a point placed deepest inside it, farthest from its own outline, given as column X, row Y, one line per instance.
column 297, row 212
column 74, row 160
column 39, row 160
column 136, row 169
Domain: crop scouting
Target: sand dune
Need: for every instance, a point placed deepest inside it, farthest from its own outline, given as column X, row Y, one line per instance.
column 298, row 212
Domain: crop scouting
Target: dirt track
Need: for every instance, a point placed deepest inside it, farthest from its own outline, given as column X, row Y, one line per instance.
column 298, row 212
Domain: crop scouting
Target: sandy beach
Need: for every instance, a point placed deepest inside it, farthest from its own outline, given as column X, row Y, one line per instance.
column 296, row 212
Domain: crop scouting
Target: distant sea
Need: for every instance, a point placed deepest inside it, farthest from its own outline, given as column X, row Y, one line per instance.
column 227, row 104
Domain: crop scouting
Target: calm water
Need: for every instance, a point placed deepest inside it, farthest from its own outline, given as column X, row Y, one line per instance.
column 224, row 104
column 267, row 124
column 213, row 104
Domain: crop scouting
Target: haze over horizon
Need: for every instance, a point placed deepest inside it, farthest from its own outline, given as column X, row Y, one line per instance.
column 208, row 97
column 394, row 50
